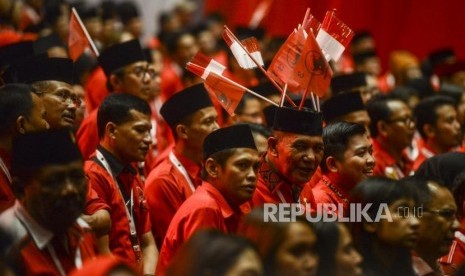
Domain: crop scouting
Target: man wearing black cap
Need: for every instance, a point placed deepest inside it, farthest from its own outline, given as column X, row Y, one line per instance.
column 127, row 72
column 22, row 112
column 124, row 131
column 348, row 107
column 52, row 79
column 294, row 152
column 50, row 238
column 230, row 172
column 191, row 116
column 366, row 84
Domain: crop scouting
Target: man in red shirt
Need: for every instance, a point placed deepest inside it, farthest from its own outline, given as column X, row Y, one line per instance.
column 124, row 130
column 127, row 72
column 347, row 160
column 294, row 152
column 191, row 116
column 437, row 124
column 230, row 170
column 22, row 112
column 392, row 128
column 49, row 237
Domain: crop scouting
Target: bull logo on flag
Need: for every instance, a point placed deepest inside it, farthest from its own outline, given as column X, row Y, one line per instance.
column 316, row 64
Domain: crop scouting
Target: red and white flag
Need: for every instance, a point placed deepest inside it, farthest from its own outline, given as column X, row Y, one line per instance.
column 312, row 25
column 209, row 64
column 240, row 53
column 283, row 64
column 312, row 71
column 78, row 39
column 334, row 36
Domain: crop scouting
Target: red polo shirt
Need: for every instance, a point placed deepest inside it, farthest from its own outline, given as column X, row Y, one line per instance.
column 166, row 188
column 271, row 188
column 33, row 242
column 206, row 208
column 107, row 189
column 96, row 89
column 456, row 257
column 87, row 135
column 327, row 192
column 424, row 152
column 387, row 166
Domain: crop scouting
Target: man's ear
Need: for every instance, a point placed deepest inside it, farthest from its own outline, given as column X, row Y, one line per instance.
column 429, row 131
column 181, row 132
column 110, row 130
column 382, row 128
column 211, row 167
column 273, row 146
column 21, row 124
column 115, row 82
column 331, row 164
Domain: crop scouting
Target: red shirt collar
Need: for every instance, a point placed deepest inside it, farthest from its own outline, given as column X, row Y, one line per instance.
column 386, row 157
column 192, row 168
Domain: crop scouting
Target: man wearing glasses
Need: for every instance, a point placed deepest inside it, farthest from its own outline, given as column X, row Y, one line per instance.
column 438, row 223
column 392, row 128
column 52, row 79
column 127, row 71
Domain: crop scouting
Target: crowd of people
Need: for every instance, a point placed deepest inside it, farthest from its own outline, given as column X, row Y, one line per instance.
column 123, row 163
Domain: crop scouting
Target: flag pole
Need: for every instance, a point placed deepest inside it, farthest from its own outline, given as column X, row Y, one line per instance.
column 94, row 49
column 258, row 65
column 283, row 96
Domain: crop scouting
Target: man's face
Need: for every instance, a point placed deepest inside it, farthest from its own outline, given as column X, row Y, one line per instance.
column 138, row 79
column 402, row 231
column 186, row 49
column 237, row 179
column 203, row 122
column 357, row 162
column 60, row 105
column 132, row 138
column 297, row 255
column 400, row 127
column 297, row 156
column 36, row 121
column 438, row 223
column 56, row 195
column 252, row 112
column 447, row 132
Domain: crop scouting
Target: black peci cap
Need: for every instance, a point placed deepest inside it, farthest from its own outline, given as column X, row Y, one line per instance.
column 236, row 136
column 184, row 103
column 341, row 104
column 347, row 82
column 43, row 148
column 41, row 68
column 120, row 55
column 305, row 121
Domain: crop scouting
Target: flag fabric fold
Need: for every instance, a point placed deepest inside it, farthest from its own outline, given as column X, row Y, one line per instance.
column 282, row 66
column 209, row 64
column 334, row 36
column 77, row 39
column 239, row 53
column 312, row 71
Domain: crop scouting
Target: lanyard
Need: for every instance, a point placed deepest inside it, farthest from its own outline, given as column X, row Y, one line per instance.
column 181, row 169
column 5, row 170
column 77, row 259
column 129, row 214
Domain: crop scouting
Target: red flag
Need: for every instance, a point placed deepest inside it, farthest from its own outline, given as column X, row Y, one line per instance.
column 221, row 89
column 228, row 94
column 283, row 64
column 312, row 71
column 312, row 25
column 239, row 53
column 334, row 36
column 78, row 40
column 208, row 63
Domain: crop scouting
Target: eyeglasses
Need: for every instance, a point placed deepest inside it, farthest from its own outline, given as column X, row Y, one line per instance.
column 406, row 121
column 448, row 214
column 65, row 96
column 140, row 71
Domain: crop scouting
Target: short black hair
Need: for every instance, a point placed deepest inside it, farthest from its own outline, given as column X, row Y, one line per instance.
column 336, row 137
column 15, row 101
column 116, row 108
column 425, row 111
column 378, row 110
column 220, row 157
column 458, row 190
